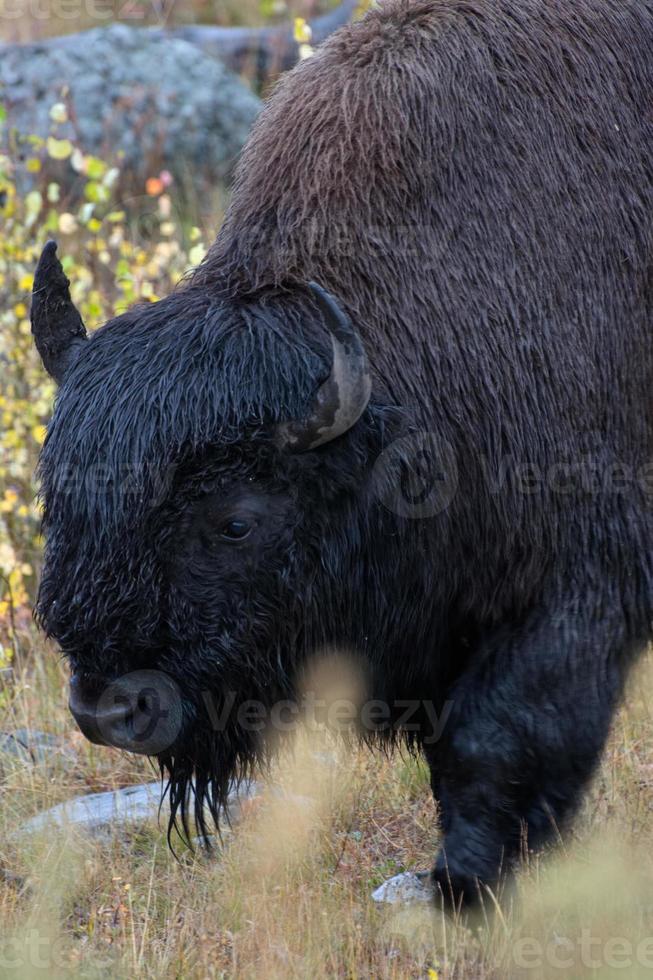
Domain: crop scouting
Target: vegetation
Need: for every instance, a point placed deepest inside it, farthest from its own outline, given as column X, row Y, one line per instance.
column 115, row 253
column 26, row 20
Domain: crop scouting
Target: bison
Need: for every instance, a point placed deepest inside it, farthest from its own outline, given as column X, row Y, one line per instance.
column 402, row 409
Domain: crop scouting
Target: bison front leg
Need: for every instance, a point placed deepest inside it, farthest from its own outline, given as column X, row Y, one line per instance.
column 528, row 722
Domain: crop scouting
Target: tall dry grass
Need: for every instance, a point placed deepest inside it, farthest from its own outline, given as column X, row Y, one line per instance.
column 287, row 893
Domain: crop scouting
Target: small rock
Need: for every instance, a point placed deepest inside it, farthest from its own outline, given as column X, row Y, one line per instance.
column 408, row 887
column 97, row 812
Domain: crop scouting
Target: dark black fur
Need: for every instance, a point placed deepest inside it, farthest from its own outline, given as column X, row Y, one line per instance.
column 473, row 181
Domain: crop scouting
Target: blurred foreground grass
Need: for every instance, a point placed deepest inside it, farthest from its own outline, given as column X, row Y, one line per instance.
column 287, row 895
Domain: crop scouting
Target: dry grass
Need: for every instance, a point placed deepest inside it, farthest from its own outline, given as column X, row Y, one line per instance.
column 288, row 894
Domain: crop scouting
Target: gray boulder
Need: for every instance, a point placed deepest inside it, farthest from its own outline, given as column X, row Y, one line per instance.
column 161, row 101
column 258, row 53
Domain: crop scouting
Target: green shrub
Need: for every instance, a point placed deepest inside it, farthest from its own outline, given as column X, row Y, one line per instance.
column 115, row 253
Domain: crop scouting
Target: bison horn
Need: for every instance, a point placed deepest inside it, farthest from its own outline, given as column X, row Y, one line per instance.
column 342, row 398
column 56, row 324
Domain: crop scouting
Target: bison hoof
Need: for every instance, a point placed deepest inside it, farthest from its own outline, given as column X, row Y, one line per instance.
column 458, row 890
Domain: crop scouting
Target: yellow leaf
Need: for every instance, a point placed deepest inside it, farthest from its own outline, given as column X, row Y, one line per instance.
column 59, row 113
column 59, row 149
column 78, row 161
column 7, row 556
column 95, row 168
column 33, row 165
column 33, row 203
column 67, row 223
column 111, row 176
column 303, row 32
column 12, row 441
column 196, row 254
column 20, row 310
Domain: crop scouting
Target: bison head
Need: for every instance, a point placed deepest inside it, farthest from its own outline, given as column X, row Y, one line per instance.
column 203, row 481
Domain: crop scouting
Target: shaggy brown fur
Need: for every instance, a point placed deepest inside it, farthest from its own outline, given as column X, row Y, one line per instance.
column 474, row 181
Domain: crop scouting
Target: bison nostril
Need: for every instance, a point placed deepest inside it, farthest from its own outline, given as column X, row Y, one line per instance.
column 140, row 712
column 83, row 707
column 101, row 721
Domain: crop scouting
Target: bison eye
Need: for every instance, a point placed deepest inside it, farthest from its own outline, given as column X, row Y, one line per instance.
column 236, row 530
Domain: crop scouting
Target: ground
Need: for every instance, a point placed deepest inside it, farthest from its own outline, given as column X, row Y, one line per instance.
column 287, row 894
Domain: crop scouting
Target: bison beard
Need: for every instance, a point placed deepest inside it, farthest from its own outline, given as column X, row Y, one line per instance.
column 472, row 184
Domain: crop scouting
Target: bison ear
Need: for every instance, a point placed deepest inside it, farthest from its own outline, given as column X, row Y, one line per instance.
column 56, row 324
column 340, row 400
